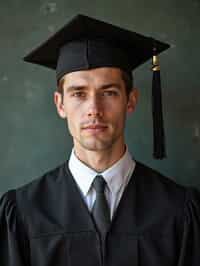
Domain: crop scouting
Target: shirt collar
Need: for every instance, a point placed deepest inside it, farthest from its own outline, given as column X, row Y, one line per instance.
column 115, row 176
column 119, row 173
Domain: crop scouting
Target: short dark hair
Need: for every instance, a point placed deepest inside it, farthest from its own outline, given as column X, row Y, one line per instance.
column 60, row 85
column 126, row 77
column 128, row 81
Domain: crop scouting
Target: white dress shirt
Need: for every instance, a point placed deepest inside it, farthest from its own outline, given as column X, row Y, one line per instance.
column 116, row 177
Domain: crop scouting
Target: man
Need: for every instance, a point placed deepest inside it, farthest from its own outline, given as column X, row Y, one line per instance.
column 101, row 207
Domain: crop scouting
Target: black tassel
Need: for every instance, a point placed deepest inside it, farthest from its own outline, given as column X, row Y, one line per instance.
column 157, row 113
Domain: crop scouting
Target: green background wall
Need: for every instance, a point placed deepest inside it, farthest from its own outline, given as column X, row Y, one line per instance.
column 32, row 137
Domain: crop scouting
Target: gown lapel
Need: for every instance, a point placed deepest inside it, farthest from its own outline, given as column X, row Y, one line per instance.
column 78, row 215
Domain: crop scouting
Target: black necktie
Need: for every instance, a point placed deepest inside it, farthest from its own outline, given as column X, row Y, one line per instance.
column 100, row 210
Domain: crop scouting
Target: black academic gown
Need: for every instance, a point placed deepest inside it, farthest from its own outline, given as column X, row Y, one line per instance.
column 46, row 223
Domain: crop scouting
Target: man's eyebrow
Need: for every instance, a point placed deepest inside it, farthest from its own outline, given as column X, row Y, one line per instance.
column 75, row 88
column 82, row 87
column 110, row 85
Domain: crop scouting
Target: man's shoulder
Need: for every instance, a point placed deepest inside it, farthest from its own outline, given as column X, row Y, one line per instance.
column 42, row 191
column 152, row 175
column 158, row 186
column 43, row 184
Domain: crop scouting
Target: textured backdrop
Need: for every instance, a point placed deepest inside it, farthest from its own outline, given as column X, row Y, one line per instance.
column 32, row 137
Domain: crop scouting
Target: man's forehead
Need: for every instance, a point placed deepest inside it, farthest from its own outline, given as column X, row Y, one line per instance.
column 102, row 75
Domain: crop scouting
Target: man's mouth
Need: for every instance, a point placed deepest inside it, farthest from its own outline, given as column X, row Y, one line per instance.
column 95, row 128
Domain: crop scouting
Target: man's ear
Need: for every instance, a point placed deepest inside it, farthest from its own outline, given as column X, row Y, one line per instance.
column 132, row 101
column 58, row 100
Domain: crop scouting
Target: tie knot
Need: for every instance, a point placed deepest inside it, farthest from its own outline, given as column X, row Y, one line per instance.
column 99, row 184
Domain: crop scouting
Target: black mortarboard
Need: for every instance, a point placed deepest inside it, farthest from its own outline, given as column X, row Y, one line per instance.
column 86, row 43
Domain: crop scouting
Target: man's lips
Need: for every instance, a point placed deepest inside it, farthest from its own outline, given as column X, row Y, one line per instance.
column 94, row 128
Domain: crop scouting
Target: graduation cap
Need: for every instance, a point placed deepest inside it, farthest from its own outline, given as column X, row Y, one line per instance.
column 87, row 43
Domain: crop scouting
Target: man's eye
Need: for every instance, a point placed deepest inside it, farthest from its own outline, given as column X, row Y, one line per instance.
column 110, row 93
column 78, row 94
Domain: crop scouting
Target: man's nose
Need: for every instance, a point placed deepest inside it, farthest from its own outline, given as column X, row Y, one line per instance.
column 95, row 107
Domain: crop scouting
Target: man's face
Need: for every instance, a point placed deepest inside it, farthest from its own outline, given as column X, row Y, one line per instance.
column 95, row 105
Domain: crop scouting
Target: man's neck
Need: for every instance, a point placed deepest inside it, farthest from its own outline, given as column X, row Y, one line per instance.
column 100, row 160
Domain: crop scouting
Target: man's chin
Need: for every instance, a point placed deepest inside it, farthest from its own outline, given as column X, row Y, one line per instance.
column 96, row 145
